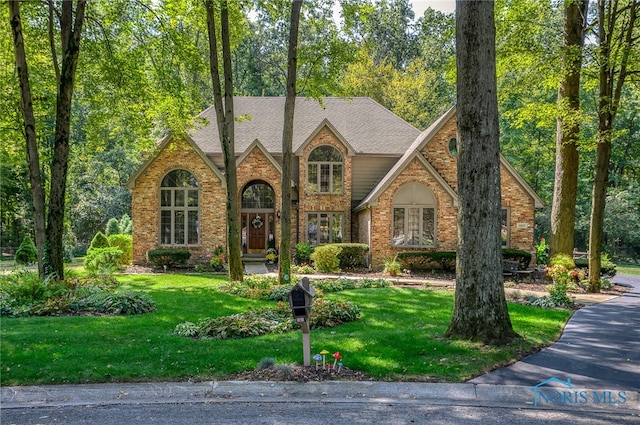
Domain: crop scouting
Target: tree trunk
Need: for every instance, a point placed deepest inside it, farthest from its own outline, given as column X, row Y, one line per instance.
column 612, row 76
column 225, row 120
column 71, row 31
column 33, row 156
column 284, row 263
column 563, row 207
column 480, row 311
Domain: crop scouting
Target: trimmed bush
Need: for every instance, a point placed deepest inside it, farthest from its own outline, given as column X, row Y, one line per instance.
column 113, row 227
column 522, row 257
column 125, row 244
column 125, row 224
column 159, row 258
column 102, row 260
column 99, row 241
column 352, row 255
column 27, row 252
column 607, row 267
column 326, row 258
column 427, row 260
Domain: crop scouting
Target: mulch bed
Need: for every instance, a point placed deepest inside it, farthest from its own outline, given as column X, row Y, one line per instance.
column 297, row 373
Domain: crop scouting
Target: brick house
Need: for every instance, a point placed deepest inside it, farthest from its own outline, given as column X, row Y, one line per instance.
column 360, row 174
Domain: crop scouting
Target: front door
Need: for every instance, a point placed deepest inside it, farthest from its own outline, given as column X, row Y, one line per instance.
column 257, row 231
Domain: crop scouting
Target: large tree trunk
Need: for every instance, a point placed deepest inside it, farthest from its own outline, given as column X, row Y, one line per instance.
column 33, row 156
column 612, row 76
column 480, row 311
column 563, row 208
column 71, row 31
column 284, row 263
column 225, row 120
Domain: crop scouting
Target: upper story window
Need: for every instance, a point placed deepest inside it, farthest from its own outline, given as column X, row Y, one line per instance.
column 258, row 196
column 414, row 217
column 325, row 170
column 179, row 209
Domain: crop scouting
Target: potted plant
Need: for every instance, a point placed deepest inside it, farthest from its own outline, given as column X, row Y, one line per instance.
column 303, row 252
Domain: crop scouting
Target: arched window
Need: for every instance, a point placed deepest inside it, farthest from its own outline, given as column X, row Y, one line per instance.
column 179, row 209
column 324, row 170
column 414, row 218
column 258, row 196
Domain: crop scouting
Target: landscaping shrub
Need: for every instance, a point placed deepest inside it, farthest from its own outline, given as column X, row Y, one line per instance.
column 343, row 284
column 562, row 260
column 426, row 260
column 27, row 252
column 302, row 269
column 125, row 244
column 279, row 319
column 25, row 294
column 113, row 227
column 102, row 260
column 607, row 267
column 522, row 257
column 352, row 255
column 159, row 258
column 99, row 241
column 303, row 252
column 326, row 258
column 125, row 224
column 392, row 267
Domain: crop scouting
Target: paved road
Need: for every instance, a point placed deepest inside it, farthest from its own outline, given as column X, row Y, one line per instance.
column 316, row 413
column 600, row 348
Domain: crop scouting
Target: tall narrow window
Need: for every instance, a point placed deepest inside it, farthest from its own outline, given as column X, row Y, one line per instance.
column 504, row 228
column 179, row 209
column 414, row 218
column 325, row 170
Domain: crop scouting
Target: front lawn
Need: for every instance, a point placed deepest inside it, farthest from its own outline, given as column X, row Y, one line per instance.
column 399, row 337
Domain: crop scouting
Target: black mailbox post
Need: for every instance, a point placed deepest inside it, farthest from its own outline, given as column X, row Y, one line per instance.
column 300, row 299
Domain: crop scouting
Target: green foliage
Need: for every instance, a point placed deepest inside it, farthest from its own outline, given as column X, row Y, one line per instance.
column 160, row 258
column 125, row 224
column 262, row 321
column 562, row 260
column 125, row 303
column 607, row 267
column 24, row 294
column 343, row 284
column 326, row 258
column 113, row 227
column 302, row 269
column 392, row 267
column 352, row 255
column 99, row 241
column 542, row 252
column 426, row 260
column 303, row 250
column 27, row 252
column 522, row 257
column 102, row 260
column 123, row 242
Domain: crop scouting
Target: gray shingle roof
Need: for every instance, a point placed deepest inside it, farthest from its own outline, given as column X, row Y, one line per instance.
column 365, row 124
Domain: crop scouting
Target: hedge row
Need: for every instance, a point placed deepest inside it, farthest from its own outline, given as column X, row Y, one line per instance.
column 446, row 260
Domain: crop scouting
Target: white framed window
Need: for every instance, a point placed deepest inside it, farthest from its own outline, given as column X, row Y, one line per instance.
column 504, row 228
column 325, row 227
column 325, row 169
column 414, row 217
column 179, row 209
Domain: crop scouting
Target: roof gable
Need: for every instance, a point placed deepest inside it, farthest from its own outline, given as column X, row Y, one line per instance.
column 368, row 127
column 166, row 141
column 325, row 124
column 257, row 145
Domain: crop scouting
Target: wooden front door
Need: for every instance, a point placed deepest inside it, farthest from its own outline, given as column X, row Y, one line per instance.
column 257, row 229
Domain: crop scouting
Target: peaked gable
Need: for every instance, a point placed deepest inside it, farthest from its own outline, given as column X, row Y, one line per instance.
column 332, row 129
column 256, row 145
column 164, row 143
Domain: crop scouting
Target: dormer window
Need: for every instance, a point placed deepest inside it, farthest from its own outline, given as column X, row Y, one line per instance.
column 325, row 170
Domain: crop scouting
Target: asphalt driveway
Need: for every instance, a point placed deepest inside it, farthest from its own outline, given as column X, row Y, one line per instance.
column 599, row 348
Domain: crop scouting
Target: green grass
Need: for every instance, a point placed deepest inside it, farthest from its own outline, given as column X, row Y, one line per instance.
column 627, row 269
column 399, row 337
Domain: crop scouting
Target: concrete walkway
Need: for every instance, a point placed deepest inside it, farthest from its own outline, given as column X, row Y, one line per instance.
column 599, row 348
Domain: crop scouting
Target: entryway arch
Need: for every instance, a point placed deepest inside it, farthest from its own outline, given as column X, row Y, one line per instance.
column 258, row 216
